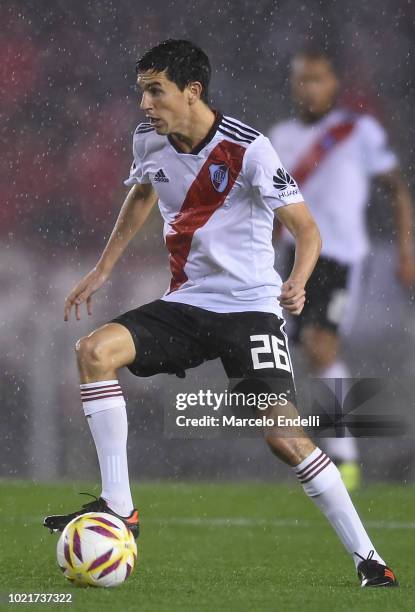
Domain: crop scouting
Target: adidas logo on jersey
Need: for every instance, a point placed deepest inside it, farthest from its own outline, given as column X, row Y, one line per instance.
column 160, row 177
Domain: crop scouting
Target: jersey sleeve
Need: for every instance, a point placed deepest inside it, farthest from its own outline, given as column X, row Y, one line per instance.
column 378, row 157
column 137, row 172
column 264, row 170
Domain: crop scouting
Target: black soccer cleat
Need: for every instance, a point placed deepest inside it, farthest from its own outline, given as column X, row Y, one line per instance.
column 373, row 574
column 58, row 522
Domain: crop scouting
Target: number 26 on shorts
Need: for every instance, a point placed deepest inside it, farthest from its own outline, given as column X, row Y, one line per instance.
column 271, row 347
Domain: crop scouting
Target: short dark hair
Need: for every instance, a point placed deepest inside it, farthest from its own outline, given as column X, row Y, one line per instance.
column 183, row 62
column 315, row 54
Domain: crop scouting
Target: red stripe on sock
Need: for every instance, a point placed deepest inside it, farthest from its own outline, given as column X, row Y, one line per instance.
column 307, row 473
column 98, row 387
column 88, row 394
column 91, row 399
column 99, row 395
column 314, row 474
column 307, row 467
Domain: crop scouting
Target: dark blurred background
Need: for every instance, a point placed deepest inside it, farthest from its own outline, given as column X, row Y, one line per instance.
column 69, row 106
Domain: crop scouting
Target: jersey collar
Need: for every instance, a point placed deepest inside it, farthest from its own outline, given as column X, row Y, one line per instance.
column 201, row 145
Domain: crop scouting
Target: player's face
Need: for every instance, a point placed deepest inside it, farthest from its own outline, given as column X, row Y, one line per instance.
column 162, row 101
column 314, row 86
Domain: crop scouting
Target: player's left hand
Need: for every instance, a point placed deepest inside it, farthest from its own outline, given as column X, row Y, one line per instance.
column 406, row 270
column 292, row 296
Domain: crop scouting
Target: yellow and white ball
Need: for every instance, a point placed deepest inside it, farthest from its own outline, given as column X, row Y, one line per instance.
column 96, row 549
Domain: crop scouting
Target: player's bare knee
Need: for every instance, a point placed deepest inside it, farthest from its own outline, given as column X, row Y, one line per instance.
column 79, row 348
column 90, row 351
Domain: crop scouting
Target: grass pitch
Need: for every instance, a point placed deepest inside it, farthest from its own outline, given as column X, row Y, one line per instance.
column 216, row 547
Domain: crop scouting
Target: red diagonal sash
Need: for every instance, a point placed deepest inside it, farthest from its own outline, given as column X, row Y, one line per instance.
column 320, row 149
column 201, row 201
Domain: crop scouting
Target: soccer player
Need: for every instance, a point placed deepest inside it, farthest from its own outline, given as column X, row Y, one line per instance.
column 334, row 154
column 216, row 182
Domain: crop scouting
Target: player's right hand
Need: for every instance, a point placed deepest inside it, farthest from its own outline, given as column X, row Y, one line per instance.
column 292, row 297
column 82, row 292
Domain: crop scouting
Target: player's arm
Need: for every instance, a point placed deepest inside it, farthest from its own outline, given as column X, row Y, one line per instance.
column 279, row 191
column 133, row 214
column 382, row 163
column 403, row 208
column 299, row 222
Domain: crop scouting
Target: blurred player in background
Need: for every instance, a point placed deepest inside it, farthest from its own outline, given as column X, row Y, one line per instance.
column 218, row 183
column 334, row 154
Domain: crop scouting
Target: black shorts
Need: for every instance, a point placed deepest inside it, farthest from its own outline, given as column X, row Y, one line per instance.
column 170, row 337
column 326, row 294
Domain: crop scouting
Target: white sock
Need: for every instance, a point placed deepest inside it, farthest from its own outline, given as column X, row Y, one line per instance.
column 322, row 482
column 104, row 406
column 342, row 449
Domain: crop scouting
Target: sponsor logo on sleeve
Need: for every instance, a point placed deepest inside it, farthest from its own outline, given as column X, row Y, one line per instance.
column 284, row 183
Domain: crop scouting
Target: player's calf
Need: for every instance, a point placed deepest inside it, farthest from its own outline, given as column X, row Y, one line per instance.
column 289, row 443
column 291, row 450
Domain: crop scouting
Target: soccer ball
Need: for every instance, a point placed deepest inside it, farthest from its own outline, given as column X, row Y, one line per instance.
column 96, row 549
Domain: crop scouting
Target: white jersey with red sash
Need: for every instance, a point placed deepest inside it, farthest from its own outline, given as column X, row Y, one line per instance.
column 333, row 161
column 218, row 206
